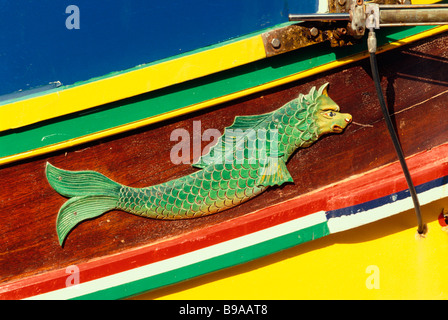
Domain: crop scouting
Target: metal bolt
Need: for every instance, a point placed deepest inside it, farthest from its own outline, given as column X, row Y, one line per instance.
column 276, row 43
column 314, row 32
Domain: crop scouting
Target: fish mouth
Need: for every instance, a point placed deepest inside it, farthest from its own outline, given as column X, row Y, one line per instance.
column 337, row 128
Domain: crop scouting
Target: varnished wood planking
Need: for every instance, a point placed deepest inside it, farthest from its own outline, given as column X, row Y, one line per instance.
column 28, row 206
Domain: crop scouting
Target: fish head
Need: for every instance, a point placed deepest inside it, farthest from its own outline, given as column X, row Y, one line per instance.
column 329, row 119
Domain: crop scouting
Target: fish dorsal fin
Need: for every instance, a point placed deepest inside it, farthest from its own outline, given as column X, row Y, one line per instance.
column 233, row 134
column 249, row 122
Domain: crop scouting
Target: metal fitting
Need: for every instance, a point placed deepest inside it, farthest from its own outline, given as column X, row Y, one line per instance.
column 371, row 41
column 314, row 32
column 276, row 43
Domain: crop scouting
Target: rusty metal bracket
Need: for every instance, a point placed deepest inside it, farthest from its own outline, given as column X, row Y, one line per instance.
column 390, row 14
column 297, row 36
column 346, row 23
column 289, row 38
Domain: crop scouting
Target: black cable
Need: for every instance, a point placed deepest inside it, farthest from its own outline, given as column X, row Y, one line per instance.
column 396, row 142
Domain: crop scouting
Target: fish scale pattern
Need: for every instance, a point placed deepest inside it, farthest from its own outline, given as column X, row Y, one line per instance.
column 216, row 188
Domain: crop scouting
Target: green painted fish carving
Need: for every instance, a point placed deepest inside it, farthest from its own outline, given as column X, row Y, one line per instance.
column 249, row 157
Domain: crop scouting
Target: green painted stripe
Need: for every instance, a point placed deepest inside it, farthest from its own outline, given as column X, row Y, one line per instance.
column 214, row 264
column 179, row 96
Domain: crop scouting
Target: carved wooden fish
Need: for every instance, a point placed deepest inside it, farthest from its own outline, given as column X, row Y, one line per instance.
column 248, row 158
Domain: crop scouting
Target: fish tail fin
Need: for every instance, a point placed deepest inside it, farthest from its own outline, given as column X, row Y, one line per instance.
column 80, row 183
column 91, row 194
column 78, row 209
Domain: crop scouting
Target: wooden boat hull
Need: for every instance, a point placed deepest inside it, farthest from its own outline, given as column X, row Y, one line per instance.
column 338, row 174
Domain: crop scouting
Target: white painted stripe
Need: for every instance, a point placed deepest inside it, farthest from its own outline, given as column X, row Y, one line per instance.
column 343, row 223
column 185, row 259
column 323, row 6
column 433, row 194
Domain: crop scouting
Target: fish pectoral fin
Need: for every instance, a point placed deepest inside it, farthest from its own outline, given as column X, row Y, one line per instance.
column 273, row 173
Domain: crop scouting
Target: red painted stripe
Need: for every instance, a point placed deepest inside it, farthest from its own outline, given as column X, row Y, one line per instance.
column 424, row 167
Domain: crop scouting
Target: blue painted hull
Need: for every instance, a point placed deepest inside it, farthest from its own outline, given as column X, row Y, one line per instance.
column 37, row 48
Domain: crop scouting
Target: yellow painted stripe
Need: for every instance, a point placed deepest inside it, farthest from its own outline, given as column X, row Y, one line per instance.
column 78, row 98
column 381, row 260
column 209, row 103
